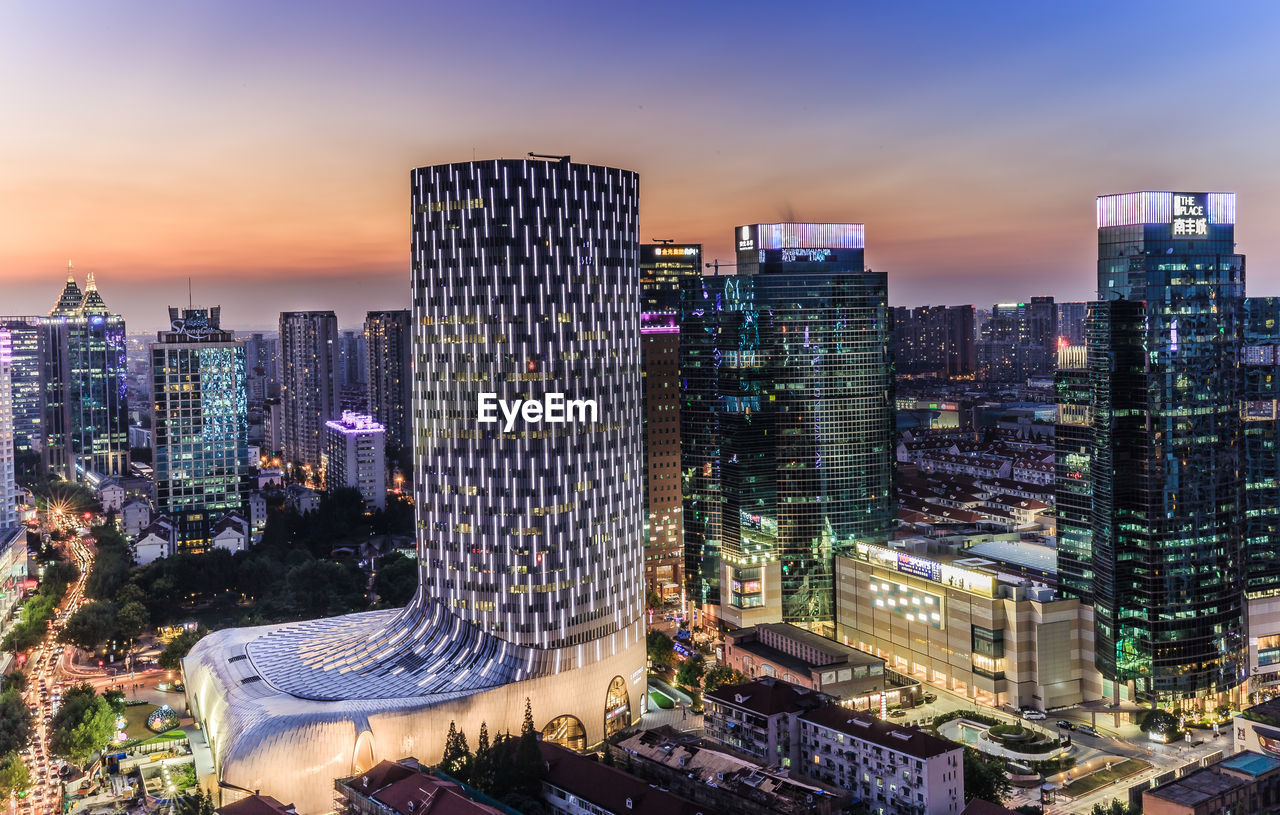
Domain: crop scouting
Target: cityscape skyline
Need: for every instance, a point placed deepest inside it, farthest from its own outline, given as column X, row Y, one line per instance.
column 268, row 149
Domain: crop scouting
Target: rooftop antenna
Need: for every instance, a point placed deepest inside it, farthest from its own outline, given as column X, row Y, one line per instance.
column 71, row 276
column 565, row 159
column 190, row 302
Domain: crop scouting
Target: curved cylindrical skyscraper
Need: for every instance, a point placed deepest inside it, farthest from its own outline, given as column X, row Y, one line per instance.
column 526, row 418
column 526, row 284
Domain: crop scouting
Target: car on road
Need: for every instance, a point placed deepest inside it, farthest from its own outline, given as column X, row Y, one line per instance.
column 930, row 697
column 1066, row 725
column 897, row 714
column 1032, row 714
column 1087, row 730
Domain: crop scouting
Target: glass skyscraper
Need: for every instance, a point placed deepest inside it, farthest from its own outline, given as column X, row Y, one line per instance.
column 1168, row 464
column 200, row 397
column 86, row 415
column 786, row 421
column 662, row 267
column 27, row 337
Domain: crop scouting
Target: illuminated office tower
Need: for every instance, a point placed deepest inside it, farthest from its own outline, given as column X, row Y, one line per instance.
column 1073, row 449
column 27, row 337
column 309, row 382
column 1019, row 341
column 388, row 343
column 86, row 415
column 8, row 486
column 933, row 341
column 261, row 369
column 355, row 449
column 786, row 421
column 525, row 287
column 662, row 267
column 201, row 426
column 1260, row 366
column 1168, row 464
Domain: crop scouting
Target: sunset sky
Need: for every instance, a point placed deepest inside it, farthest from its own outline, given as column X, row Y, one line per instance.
column 264, row 148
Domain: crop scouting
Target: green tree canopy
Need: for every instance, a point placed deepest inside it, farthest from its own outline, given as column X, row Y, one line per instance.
column 15, row 722
column 689, row 675
column 83, row 724
column 13, row 776
column 90, row 626
column 720, row 675
column 178, row 648
column 984, row 777
column 396, row 580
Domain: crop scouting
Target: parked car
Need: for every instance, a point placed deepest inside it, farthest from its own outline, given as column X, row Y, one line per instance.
column 1033, row 714
column 930, row 697
column 1087, row 730
column 897, row 714
column 1066, row 725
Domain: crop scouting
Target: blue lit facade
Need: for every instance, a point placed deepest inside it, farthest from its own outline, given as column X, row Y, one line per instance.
column 786, row 419
column 1168, row 459
column 200, row 397
column 86, row 414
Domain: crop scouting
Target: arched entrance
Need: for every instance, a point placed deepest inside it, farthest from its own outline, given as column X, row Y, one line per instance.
column 362, row 757
column 617, row 707
column 566, row 731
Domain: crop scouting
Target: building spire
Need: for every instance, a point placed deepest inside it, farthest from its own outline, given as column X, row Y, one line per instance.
column 71, row 273
column 90, row 284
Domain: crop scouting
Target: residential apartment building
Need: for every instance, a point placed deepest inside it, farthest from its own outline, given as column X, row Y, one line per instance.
column 894, row 770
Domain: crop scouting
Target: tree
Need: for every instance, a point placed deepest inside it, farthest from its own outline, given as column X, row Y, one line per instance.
column 90, row 626
column 178, row 648
column 482, row 765
column 15, row 722
column 131, row 620
column 456, row 753
column 83, row 725
column 1160, row 722
column 1116, row 807
column 14, row 777
column 652, row 599
column 195, row 803
column 720, row 675
column 396, row 580
column 659, row 646
column 689, row 676
column 984, row 777
column 529, row 768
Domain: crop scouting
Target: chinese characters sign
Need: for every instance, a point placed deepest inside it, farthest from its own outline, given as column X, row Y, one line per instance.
column 1189, row 215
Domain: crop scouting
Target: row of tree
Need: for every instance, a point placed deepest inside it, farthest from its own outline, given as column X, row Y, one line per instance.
column 41, row 607
column 509, row 768
column 15, row 731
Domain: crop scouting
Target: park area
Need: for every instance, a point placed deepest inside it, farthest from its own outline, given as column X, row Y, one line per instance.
column 1108, row 772
column 137, row 732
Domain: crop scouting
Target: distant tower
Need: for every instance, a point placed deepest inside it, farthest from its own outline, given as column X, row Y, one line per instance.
column 86, row 415
column 309, row 382
column 388, row 343
column 8, row 487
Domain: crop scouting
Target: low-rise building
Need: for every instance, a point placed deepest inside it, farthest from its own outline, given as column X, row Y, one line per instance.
column 801, row 657
column 963, row 624
column 1247, row 782
column 156, row 541
column 759, row 718
column 687, row 766
column 894, row 770
column 231, row 532
column 301, row 499
column 135, row 516
column 407, row 788
column 579, row 785
column 110, row 494
column 256, row 805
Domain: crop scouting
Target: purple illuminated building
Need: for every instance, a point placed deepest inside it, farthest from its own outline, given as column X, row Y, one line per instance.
column 354, row 456
column 661, row 268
